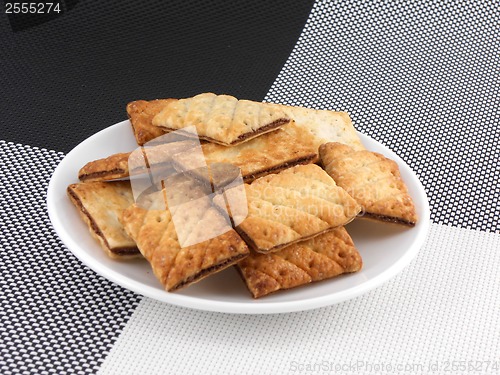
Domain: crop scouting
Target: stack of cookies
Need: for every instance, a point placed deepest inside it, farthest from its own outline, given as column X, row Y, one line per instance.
column 267, row 188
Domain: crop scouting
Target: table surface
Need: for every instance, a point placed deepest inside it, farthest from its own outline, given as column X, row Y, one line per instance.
column 420, row 77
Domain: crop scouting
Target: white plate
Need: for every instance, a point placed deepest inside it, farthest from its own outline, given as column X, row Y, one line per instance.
column 385, row 249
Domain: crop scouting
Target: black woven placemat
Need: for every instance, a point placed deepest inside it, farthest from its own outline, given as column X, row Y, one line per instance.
column 65, row 79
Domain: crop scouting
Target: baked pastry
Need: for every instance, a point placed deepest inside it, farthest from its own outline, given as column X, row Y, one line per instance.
column 182, row 235
column 99, row 205
column 117, row 166
column 140, row 114
column 323, row 257
column 110, row 168
column 221, row 119
column 298, row 203
column 270, row 153
column 373, row 180
column 325, row 126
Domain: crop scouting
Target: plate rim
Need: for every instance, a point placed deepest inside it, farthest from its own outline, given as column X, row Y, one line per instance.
column 239, row 307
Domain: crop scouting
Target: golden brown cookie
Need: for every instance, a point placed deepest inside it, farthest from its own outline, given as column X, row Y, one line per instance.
column 117, row 166
column 221, row 119
column 99, row 205
column 325, row 126
column 296, row 204
column 270, row 153
column 319, row 258
column 182, row 235
column 140, row 114
column 373, row 180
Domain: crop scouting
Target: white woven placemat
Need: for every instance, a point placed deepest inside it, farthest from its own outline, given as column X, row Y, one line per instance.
column 444, row 307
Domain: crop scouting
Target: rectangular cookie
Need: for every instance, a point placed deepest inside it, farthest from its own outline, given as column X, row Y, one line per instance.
column 117, row 166
column 373, row 180
column 325, row 126
column 270, row 153
column 99, row 205
column 294, row 205
column 221, row 119
column 319, row 258
column 182, row 235
column 140, row 114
